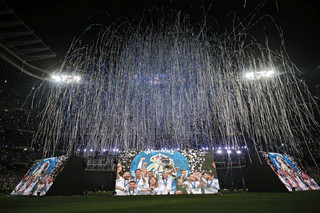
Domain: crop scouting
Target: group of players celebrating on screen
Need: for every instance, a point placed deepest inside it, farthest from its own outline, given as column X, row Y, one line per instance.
column 164, row 182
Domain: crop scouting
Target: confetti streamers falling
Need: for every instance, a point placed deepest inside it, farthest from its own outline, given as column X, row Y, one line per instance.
column 177, row 85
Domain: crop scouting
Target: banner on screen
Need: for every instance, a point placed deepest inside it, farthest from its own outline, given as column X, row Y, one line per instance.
column 38, row 180
column 163, row 172
column 289, row 172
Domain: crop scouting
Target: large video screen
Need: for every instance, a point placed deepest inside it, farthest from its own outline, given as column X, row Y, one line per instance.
column 289, row 172
column 164, row 172
column 38, row 180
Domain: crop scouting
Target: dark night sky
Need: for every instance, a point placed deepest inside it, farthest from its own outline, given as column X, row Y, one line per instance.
column 57, row 22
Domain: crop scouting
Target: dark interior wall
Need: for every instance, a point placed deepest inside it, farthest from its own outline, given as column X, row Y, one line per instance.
column 231, row 178
column 99, row 180
column 259, row 177
column 71, row 180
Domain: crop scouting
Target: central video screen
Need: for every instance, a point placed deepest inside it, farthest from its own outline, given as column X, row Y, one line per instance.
column 166, row 172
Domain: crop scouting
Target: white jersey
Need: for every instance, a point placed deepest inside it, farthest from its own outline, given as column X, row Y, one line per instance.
column 313, row 184
column 193, row 187
column 211, row 186
column 131, row 192
column 19, row 185
column 30, row 188
column 39, row 189
column 121, row 182
column 23, row 188
column 155, row 191
column 162, row 190
column 165, row 185
column 284, row 181
column 141, row 184
column 48, row 185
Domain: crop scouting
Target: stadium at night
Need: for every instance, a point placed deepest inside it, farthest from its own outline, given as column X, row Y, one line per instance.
column 204, row 103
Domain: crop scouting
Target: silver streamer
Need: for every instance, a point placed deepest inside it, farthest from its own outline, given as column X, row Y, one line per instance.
column 176, row 85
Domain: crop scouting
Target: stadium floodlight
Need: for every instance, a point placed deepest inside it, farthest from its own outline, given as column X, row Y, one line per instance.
column 219, row 151
column 115, row 150
column 229, row 151
column 64, row 78
column 249, row 75
column 256, row 75
column 238, row 152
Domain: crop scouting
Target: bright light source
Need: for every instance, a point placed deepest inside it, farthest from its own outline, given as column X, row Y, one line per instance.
column 91, row 150
column 219, row 151
column 63, row 78
column 104, row 150
column 229, row 151
column 259, row 74
column 269, row 73
column 85, row 150
column 249, row 75
column 238, row 152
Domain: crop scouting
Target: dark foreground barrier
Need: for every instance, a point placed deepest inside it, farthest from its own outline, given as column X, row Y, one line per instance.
column 99, row 180
column 231, row 178
column 71, row 179
column 260, row 177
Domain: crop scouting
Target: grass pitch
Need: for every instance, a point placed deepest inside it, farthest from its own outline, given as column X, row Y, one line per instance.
column 228, row 202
